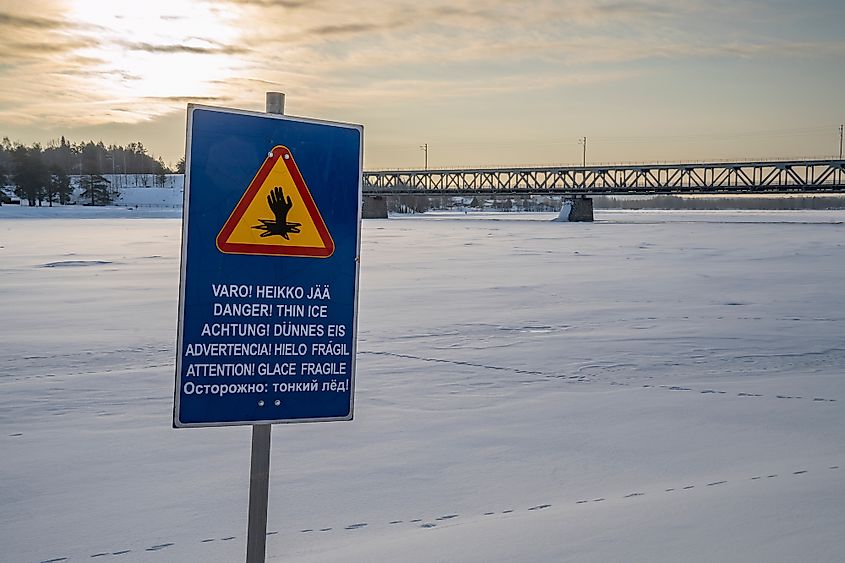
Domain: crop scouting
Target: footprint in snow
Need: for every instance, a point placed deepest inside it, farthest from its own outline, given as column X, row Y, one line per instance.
column 75, row 263
column 447, row 517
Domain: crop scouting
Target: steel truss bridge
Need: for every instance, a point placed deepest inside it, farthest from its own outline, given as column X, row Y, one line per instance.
column 762, row 177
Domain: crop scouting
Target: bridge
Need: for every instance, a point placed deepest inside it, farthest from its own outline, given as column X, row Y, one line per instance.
column 578, row 183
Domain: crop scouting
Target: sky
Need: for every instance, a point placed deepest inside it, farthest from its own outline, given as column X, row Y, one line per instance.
column 481, row 82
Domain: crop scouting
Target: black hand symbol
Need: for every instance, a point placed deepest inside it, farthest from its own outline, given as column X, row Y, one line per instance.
column 280, row 206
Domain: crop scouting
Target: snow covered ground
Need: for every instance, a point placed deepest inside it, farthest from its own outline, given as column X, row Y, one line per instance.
column 655, row 386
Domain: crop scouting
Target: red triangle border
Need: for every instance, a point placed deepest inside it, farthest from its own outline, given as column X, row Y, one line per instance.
column 222, row 241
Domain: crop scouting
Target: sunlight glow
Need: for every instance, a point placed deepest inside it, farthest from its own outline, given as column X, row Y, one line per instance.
column 146, row 55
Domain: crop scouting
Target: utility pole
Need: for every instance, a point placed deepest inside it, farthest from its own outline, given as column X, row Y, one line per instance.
column 113, row 174
column 424, row 147
column 583, row 142
column 839, row 172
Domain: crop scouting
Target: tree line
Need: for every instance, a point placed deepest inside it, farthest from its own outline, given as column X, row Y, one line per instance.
column 495, row 202
column 42, row 174
column 722, row 203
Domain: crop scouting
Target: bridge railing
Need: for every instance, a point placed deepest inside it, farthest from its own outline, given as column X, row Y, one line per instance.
column 809, row 176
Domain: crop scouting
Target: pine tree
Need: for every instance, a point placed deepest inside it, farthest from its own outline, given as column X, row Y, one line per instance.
column 2, row 184
column 59, row 186
column 31, row 177
column 96, row 189
column 161, row 173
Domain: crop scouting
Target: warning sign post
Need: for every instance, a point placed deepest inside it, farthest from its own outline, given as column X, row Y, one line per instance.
column 268, row 294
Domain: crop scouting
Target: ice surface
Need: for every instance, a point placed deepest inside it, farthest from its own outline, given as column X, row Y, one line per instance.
column 654, row 386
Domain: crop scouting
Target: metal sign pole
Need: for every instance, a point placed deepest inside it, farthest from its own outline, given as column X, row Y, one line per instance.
column 259, row 485
column 259, row 469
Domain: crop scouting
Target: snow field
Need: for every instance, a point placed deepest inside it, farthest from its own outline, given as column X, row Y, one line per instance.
column 650, row 387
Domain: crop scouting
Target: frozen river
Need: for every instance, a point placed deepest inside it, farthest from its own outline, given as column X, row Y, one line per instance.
column 655, row 386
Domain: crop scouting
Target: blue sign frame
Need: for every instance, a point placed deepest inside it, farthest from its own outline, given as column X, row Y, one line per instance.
column 266, row 338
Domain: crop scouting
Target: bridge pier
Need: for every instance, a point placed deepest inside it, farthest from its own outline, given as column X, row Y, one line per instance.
column 576, row 209
column 374, row 207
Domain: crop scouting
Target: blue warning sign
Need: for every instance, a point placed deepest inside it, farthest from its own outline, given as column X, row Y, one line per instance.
column 269, row 277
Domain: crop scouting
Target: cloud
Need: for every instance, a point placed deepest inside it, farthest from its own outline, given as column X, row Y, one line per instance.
column 242, row 81
column 274, row 3
column 27, row 49
column 183, row 48
column 186, row 99
column 29, row 22
column 343, row 29
column 87, row 72
column 32, row 22
column 365, row 52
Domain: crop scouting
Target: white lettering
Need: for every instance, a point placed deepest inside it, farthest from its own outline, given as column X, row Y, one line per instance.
column 288, row 368
column 291, row 329
column 242, row 310
column 231, row 290
column 279, row 292
column 326, row 368
column 336, row 330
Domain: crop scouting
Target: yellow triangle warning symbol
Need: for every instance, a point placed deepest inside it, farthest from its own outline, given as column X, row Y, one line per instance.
column 276, row 216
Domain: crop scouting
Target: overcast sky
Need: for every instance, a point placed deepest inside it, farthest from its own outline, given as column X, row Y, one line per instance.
column 483, row 82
